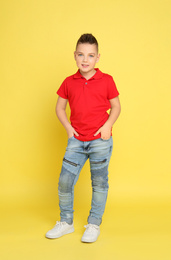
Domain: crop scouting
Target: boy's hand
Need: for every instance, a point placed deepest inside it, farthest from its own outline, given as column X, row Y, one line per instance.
column 105, row 131
column 71, row 132
column 61, row 113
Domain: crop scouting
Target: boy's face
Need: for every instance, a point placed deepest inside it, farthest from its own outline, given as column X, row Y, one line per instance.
column 86, row 56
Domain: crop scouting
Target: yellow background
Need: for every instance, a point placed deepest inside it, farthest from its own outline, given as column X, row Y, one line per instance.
column 37, row 43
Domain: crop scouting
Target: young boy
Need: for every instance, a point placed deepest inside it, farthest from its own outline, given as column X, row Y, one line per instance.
column 90, row 94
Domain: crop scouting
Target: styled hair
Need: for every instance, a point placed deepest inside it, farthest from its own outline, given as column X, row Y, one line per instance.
column 87, row 38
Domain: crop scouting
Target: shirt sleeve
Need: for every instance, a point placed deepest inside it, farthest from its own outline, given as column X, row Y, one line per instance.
column 112, row 89
column 62, row 91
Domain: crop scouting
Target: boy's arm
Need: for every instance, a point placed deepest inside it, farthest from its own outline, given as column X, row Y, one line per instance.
column 105, row 130
column 61, row 114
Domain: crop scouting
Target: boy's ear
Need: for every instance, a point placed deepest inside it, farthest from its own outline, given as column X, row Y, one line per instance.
column 74, row 54
column 98, row 57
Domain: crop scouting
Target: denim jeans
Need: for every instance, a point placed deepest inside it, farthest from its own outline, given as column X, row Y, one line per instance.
column 77, row 152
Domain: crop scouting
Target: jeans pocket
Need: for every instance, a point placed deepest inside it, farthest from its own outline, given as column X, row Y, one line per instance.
column 70, row 137
column 105, row 140
column 70, row 140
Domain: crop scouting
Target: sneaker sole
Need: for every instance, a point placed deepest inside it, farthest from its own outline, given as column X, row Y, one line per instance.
column 57, row 236
column 88, row 241
column 84, row 240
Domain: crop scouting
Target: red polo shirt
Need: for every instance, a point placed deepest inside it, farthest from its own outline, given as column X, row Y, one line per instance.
column 89, row 102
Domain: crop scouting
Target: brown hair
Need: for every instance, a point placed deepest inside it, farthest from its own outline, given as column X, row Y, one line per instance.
column 87, row 38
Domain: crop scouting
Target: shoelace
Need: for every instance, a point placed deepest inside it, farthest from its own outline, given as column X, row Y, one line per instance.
column 59, row 224
column 90, row 227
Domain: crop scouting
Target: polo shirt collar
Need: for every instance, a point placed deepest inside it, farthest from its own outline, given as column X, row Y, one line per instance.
column 97, row 75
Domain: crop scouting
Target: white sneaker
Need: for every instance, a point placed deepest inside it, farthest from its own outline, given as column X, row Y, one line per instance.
column 60, row 229
column 91, row 234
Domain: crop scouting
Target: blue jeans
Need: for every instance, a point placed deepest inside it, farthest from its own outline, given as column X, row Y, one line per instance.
column 77, row 152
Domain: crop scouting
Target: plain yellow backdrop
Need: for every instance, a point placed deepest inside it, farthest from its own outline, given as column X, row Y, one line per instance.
column 37, row 43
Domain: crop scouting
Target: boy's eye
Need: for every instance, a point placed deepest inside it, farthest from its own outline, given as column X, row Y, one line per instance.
column 80, row 54
column 91, row 56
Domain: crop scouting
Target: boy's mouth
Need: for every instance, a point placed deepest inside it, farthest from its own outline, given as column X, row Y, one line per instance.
column 84, row 65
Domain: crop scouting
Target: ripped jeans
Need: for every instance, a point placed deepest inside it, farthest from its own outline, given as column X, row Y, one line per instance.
column 77, row 152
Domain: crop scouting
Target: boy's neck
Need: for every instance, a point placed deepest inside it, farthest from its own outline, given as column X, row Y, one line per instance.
column 88, row 75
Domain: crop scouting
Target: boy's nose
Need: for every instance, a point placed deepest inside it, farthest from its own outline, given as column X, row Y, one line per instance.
column 85, row 58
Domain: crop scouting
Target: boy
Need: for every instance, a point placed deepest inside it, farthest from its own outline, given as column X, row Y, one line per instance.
column 90, row 94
